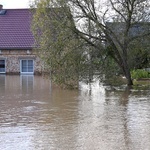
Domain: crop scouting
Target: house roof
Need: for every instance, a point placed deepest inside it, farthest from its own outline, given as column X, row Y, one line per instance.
column 15, row 32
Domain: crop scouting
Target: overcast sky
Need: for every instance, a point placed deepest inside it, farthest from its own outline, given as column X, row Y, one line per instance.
column 15, row 3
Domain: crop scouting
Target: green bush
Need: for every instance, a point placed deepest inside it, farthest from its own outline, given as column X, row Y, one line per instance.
column 139, row 73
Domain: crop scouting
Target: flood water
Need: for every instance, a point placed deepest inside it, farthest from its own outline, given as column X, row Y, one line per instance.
column 36, row 115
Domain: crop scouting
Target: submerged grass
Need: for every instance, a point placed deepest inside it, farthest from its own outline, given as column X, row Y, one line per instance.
column 141, row 79
column 141, row 84
column 138, row 84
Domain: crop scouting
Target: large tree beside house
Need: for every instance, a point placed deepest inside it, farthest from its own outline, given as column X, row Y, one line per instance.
column 56, row 45
column 107, row 27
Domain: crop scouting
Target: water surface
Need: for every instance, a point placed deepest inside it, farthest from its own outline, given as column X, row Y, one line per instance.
column 36, row 115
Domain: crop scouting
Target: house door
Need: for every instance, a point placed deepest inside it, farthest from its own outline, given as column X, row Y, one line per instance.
column 2, row 66
column 27, row 66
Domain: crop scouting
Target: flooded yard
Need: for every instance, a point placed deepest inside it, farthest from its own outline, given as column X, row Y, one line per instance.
column 36, row 115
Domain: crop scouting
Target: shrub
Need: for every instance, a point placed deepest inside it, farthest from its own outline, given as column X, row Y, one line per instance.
column 139, row 73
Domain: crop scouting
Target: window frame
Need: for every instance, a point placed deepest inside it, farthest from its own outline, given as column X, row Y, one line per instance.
column 21, row 69
column 4, row 65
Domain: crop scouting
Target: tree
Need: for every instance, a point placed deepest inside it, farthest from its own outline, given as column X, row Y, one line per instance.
column 56, row 44
column 139, row 55
column 102, row 25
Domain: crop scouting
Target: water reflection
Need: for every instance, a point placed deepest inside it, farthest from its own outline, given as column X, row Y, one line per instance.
column 2, row 82
column 36, row 115
column 27, row 83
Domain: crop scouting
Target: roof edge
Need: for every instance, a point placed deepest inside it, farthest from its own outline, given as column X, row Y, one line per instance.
column 16, row 48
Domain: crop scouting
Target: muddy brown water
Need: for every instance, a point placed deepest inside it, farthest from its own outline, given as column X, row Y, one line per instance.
column 35, row 115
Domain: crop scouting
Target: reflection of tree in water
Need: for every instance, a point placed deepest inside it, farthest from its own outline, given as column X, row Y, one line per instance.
column 121, row 96
column 130, row 109
column 116, row 114
column 125, row 96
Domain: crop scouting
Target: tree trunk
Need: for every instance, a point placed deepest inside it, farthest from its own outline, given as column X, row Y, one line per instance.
column 127, row 73
column 129, row 79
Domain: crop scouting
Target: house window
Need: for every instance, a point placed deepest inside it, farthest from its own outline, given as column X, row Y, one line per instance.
column 27, row 66
column 2, row 66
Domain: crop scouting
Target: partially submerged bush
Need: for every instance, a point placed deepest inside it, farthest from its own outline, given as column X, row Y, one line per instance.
column 140, row 73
